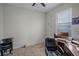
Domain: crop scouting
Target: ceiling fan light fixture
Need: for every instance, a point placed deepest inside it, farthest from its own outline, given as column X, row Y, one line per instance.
column 33, row 4
column 43, row 4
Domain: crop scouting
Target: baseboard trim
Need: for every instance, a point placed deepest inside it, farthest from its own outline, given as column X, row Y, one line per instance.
column 28, row 45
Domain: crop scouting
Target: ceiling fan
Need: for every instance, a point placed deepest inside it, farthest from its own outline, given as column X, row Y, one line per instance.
column 43, row 4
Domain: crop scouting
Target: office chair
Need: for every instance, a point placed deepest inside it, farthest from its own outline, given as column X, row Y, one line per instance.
column 52, row 49
column 6, row 45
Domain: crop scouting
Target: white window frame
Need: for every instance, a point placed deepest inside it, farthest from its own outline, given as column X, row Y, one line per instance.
column 63, row 18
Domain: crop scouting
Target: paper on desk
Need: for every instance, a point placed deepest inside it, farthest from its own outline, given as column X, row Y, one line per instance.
column 77, row 48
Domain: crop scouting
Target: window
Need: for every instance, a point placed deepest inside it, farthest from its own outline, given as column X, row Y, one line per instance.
column 64, row 21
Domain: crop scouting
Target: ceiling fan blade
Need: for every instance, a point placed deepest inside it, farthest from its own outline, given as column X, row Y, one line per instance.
column 33, row 4
column 43, row 4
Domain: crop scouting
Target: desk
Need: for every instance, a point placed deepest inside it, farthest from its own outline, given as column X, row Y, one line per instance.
column 72, row 48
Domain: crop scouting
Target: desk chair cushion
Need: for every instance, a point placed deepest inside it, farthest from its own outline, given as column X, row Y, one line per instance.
column 57, row 52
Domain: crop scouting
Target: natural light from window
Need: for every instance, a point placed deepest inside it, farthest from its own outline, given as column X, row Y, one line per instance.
column 64, row 21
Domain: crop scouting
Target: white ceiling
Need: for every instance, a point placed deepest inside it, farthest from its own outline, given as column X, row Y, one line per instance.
column 38, row 7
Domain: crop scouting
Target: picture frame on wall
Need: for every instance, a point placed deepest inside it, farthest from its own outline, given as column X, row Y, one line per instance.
column 75, row 20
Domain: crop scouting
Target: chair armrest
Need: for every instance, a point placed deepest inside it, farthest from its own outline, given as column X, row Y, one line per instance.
column 61, row 49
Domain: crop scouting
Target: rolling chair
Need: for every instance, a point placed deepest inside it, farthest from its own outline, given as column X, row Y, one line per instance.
column 6, row 45
column 51, row 49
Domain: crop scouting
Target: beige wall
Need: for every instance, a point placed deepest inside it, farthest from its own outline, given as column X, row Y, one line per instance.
column 29, row 27
column 51, row 17
column 25, row 26
column 1, row 21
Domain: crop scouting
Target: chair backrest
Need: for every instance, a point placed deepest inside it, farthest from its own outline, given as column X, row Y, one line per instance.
column 61, row 34
column 50, row 41
column 7, row 40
